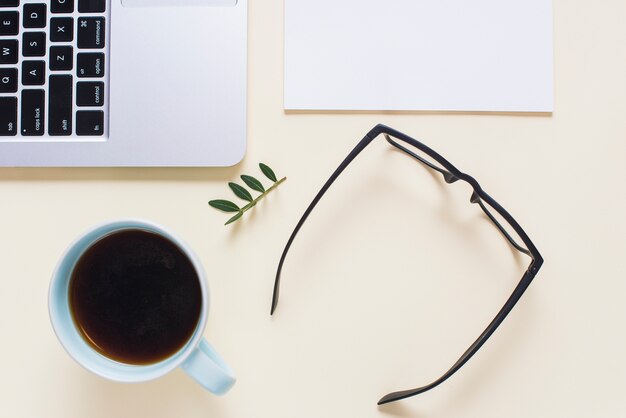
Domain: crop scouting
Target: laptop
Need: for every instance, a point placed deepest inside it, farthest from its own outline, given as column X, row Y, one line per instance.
column 123, row 82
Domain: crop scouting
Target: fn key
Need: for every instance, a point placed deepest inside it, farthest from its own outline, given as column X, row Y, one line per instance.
column 89, row 123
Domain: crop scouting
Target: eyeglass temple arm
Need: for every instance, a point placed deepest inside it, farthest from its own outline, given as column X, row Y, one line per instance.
column 356, row 151
column 482, row 338
column 506, row 308
column 451, row 178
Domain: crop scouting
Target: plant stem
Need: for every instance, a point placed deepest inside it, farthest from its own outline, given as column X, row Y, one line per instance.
column 262, row 195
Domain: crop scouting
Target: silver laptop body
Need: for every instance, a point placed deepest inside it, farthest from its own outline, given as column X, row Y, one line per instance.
column 153, row 83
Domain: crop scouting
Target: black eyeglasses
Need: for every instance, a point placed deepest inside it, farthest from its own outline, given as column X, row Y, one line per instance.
column 451, row 174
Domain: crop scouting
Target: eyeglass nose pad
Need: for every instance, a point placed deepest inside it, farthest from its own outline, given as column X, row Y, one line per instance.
column 474, row 198
column 449, row 177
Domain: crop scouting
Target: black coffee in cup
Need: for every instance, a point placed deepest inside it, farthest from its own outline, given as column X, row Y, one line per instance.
column 135, row 297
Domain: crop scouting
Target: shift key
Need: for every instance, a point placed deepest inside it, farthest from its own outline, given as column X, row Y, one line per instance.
column 60, row 105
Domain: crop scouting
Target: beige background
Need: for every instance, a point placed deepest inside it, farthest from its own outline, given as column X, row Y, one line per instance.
column 392, row 277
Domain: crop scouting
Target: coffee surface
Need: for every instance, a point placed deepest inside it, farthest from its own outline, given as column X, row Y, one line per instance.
column 135, row 296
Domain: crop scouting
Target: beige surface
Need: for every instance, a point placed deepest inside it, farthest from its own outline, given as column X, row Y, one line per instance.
column 393, row 276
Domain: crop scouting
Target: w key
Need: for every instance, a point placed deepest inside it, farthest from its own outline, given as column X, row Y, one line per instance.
column 8, row 51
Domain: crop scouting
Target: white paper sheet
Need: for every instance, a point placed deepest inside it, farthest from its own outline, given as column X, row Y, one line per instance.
column 457, row 55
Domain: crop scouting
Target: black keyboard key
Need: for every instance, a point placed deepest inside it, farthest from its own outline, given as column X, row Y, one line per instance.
column 91, row 32
column 33, row 108
column 34, row 44
column 8, row 51
column 8, row 116
column 9, row 3
column 61, row 58
column 60, row 105
column 90, row 64
column 9, row 23
column 61, row 6
column 33, row 73
column 90, row 93
column 35, row 15
column 8, row 80
column 91, row 6
column 90, row 122
column 62, row 29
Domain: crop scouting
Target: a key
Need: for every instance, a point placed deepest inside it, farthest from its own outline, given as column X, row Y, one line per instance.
column 61, row 6
column 9, row 23
column 34, row 44
column 90, row 64
column 90, row 32
column 33, row 73
column 89, row 93
column 61, row 58
column 8, row 51
column 32, row 115
column 8, row 116
column 9, row 3
column 91, row 6
column 34, row 15
column 8, row 80
column 90, row 122
column 60, row 105
column 61, row 29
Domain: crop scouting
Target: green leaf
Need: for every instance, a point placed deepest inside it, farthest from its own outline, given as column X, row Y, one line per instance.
column 253, row 183
column 269, row 173
column 234, row 218
column 240, row 192
column 225, row 205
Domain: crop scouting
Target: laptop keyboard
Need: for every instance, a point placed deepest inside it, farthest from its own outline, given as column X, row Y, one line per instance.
column 53, row 68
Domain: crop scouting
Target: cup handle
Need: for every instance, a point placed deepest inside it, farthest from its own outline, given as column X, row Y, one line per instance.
column 209, row 369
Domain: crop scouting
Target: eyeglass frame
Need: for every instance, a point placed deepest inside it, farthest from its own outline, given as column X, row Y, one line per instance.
column 451, row 174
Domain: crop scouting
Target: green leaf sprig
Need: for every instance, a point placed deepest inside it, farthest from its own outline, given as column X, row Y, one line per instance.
column 243, row 193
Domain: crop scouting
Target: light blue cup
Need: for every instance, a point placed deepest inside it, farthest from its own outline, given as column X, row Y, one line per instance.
column 197, row 357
